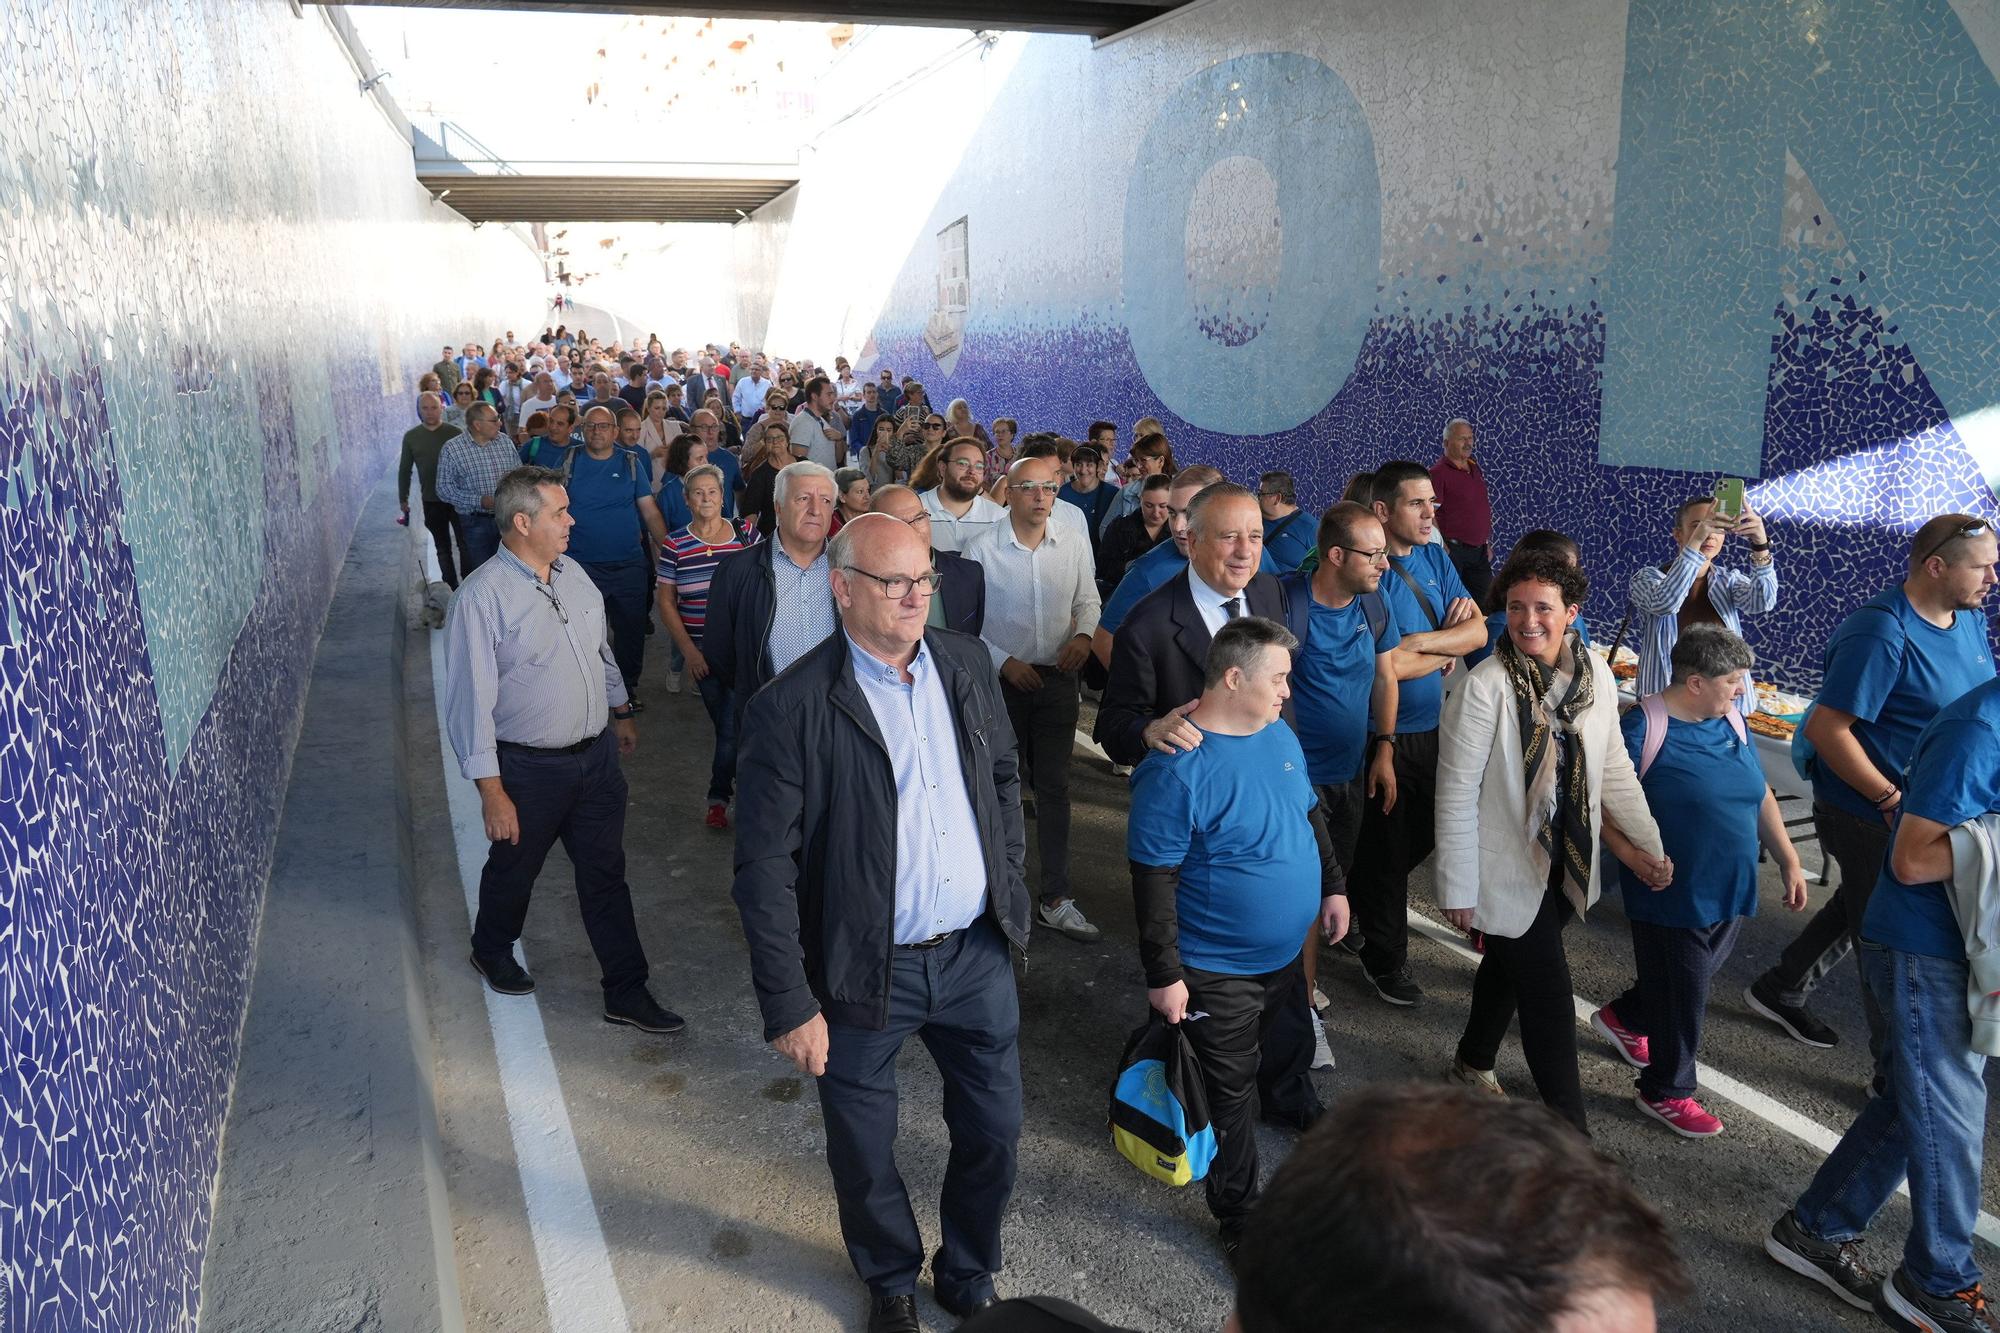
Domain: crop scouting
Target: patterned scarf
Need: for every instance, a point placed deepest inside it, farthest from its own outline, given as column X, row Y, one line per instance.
column 1558, row 783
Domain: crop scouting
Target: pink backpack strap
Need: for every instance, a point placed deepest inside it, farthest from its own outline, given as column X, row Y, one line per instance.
column 1736, row 725
column 1654, row 709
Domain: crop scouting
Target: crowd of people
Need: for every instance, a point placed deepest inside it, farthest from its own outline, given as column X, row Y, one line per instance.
column 894, row 616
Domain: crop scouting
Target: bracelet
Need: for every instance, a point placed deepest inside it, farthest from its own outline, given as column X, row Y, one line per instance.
column 1760, row 546
column 1883, row 799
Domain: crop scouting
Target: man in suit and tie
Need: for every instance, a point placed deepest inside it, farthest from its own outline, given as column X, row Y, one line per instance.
column 960, row 603
column 1160, row 652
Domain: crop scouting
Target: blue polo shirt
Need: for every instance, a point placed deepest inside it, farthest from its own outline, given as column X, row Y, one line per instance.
column 1152, row 570
column 1893, row 670
column 1419, row 701
column 1234, row 814
column 1705, row 790
column 1954, row 777
column 1333, row 674
column 1289, row 540
column 604, row 499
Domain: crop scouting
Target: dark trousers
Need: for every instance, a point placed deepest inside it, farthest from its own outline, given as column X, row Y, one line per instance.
column 1255, row 1047
column 1044, row 723
column 722, row 713
column 579, row 799
column 441, row 521
column 1340, row 804
column 1378, row 892
column 627, row 586
column 1475, row 571
column 1530, row 974
column 1859, row 847
column 1668, row 997
column 959, row 1000
column 480, row 537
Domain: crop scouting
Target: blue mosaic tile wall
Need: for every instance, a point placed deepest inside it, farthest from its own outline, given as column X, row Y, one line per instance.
column 218, row 282
column 1307, row 235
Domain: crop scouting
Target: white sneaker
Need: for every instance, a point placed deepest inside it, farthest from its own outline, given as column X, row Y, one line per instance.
column 1322, row 1053
column 1121, row 770
column 1319, row 999
column 1068, row 918
column 673, row 682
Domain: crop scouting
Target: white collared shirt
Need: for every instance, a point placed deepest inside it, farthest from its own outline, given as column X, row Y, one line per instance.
column 1036, row 600
column 1210, row 603
column 949, row 532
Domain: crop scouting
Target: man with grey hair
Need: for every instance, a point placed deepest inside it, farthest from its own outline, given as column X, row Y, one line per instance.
column 529, row 681
column 879, row 876
column 1231, row 867
column 422, row 446
column 770, row 605
column 1464, row 511
column 469, row 476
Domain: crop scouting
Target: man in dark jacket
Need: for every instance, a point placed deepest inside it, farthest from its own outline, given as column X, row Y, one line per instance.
column 960, row 601
column 879, row 857
column 769, row 605
column 1158, row 654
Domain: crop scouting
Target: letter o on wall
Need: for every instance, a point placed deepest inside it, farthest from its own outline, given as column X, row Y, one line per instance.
column 1298, row 119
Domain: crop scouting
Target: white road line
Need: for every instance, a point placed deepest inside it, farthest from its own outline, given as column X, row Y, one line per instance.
column 1764, row 1107
column 582, row 1291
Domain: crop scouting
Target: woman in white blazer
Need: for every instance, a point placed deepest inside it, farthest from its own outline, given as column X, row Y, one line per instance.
column 1530, row 766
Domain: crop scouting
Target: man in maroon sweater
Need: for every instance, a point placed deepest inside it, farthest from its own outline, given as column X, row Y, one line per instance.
column 1465, row 515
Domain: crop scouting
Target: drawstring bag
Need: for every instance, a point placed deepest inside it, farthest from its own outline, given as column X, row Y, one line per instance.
column 1159, row 1108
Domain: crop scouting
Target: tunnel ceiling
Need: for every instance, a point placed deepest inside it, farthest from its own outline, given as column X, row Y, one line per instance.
column 1093, row 18
column 602, row 198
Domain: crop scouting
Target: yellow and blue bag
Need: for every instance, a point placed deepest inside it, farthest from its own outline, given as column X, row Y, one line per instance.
column 1159, row 1108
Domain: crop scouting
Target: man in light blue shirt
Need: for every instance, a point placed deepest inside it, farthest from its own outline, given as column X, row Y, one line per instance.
column 748, row 396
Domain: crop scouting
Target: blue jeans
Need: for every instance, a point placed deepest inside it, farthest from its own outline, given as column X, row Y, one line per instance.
column 715, row 697
column 480, row 538
column 1927, row 1123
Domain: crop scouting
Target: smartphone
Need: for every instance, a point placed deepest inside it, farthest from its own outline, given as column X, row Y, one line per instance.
column 1729, row 498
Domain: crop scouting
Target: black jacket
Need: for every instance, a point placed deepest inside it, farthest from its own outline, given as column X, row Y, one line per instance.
column 963, row 591
column 742, row 603
column 1157, row 658
column 1124, row 541
column 816, row 830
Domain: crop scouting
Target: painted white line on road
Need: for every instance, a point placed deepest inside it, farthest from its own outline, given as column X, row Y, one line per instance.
column 562, row 1216
column 1766, row 1108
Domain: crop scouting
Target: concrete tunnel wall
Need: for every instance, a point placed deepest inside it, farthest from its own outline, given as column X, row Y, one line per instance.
column 218, row 279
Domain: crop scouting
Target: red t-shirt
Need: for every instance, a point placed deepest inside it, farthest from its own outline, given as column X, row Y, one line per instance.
column 1467, row 515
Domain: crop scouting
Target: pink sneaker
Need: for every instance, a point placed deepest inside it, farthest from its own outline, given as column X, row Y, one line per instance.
column 1633, row 1049
column 1683, row 1115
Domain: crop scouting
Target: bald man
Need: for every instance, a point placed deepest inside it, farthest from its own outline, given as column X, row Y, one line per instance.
column 960, row 601
column 879, row 856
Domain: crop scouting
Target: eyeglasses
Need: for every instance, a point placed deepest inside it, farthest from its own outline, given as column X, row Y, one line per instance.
column 1034, row 488
column 921, row 516
column 1378, row 556
column 933, row 425
column 967, row 464
column 1965, row 529
column 897, row 586
column 549, row 593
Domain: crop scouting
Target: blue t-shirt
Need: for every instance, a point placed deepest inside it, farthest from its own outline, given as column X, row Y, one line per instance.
column 1234, row 814
column 1705, row 789
column 1333, row 674
column 1954, row 776
column 1094, row 506
column 1418, row 701
column 1289, row 540
column 1155, row 569
column 603, row 498
column 1893, row 670
column 1496, row 625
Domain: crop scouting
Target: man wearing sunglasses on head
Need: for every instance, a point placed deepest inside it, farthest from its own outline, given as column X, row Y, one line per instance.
column 1889, row 668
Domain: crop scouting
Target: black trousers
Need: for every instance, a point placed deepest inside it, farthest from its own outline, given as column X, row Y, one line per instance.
column 959, row 1000
column 1475, row 571
column 1378, row 892
column 1044, row 722
column 1668, row 997
column 1859, row 847
column 627, row 586
column 441, row 521
column 1340, row 804
column 1255, row 1046
column 1530, row 974
column 580, row 800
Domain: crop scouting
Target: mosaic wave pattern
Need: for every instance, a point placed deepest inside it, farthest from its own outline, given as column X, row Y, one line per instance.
column 1603, row 360
column 209, row 334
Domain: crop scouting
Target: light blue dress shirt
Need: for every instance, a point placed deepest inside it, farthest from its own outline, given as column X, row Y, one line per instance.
column 803, row 614
column 940, row 866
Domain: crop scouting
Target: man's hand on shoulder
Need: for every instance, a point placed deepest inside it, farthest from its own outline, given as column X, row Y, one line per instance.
column 1174, row 732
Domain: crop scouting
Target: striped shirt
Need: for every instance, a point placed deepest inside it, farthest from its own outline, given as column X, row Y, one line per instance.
column 1658, row 595
column 688, row 562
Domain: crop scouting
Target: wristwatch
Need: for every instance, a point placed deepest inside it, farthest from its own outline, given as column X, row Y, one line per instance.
column 623, row 716
column 1760, row 546
column 1386, row 738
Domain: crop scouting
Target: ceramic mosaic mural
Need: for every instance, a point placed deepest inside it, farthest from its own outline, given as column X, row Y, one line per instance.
column 218, row 281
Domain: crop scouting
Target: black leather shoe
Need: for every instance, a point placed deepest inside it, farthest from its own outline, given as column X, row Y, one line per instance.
column 893, row 1314
column 1300, row 1121
column 504, row 975
column 960, row 1310
column 1232, row 1241
column 640, row 1010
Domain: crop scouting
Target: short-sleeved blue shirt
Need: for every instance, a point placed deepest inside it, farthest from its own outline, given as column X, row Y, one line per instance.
column 1234, row 814
column 1333, row 674
column 1954, row 777
column 1419, row 700
column 1705, row 789
column 603, row 498
column 1154, row 569
column 1893, row 670
column 1289, row 540
column 1496, row 625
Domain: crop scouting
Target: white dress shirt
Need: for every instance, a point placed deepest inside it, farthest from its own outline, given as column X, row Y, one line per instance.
column 949, row 532
column 1210, row 603
column 1036, row 600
